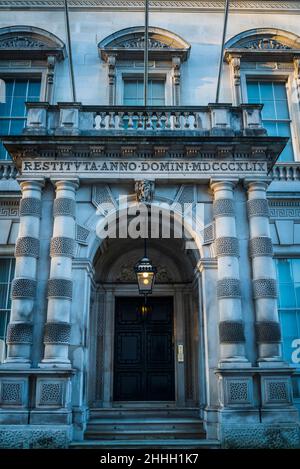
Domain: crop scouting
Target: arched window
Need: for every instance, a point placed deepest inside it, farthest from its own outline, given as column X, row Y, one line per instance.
column 27, row 65
column 123, row 51
column 265, row 69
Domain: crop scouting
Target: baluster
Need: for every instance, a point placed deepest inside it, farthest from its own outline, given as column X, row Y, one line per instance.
column 168, row 120
column 158, row 123
column 140, row 122
column 111, row 121
column 97, row 121
column 163, row 120
column 186, row 116
column 176, row 120
column 130, row 120
column 154, row 121
column 148, row 121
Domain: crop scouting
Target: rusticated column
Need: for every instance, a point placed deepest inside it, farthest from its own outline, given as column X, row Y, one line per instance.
column 19, row 331
column 58, row 328
column 268, row 334
column 231, row 324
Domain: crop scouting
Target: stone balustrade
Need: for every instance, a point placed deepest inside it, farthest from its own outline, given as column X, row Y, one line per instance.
column 211, row 120
column 8, row 170
column 286, row 171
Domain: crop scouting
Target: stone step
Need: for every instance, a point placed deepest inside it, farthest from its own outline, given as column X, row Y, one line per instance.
column 143, row 434
column 135, row 444
column 134, row 413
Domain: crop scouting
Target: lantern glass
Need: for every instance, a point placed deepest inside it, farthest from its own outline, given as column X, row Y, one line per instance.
column 145, row 273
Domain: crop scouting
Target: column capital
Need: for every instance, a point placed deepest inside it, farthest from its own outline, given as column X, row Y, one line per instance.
column 254, row 185
column 69, row 184
column 31, row 184
column 223, row 184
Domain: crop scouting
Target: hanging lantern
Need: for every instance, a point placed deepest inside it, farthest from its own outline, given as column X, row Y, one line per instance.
column 145, row 273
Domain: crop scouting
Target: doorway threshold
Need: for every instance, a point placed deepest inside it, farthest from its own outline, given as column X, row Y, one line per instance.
column 145, row 404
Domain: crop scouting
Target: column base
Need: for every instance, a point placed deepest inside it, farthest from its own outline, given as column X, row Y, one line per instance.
column 235, row 362
column 16, row 363
column 52, row 363
column 275, row 362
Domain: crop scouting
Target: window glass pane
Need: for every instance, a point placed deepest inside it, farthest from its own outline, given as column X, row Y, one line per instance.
column 4, row 269
column 271, row 127
column 134, row 92
column 296, row 270
column 268, row 111
column 18, row 91
column 282, row 111
column 34, row 89
column 17, row 125
column 3, row 323
column 266, row 91
column 253, row 92
column 275, row 113
column 287, row 297
column 279, row 90
column 285, row 270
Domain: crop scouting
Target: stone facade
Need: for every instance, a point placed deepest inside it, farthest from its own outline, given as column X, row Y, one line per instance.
column 73, row 167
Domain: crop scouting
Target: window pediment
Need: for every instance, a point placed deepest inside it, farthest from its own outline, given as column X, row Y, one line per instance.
column 264, row 44
column 24, row 42
column 129, row 44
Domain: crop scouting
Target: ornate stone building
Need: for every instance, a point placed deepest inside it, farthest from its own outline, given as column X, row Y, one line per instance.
column 215, row 363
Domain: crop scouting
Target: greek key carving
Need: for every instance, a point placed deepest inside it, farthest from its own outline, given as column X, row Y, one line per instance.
column 258, row 208
column 19, row 333
column 30, row 206
column 261, row 246
column 60, row 288
column 227, row 246
column 228, row 288
column 62, row 246
column 264, row 288
column 223, row 208
column 57, row 333
column 64, row 206
column 231, row 332
column 27, row 246
column 268, row 332
column 23, row 288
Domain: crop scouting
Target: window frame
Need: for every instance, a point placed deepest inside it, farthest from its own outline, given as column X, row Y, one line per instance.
column 22, row 73
column 137, row 78
column 165, row 74
column 286, row 76
column 11, row 266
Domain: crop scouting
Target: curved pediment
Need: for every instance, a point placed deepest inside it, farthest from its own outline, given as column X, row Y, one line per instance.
column 130, row 43
column 29, row 42
column 264, row 41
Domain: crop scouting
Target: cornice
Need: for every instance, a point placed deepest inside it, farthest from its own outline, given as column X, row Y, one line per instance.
column 250, row 6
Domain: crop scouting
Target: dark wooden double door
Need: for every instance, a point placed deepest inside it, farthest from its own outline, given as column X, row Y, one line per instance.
column 144, row 350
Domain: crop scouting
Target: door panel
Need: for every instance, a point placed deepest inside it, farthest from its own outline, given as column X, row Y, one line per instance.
column 144, row 352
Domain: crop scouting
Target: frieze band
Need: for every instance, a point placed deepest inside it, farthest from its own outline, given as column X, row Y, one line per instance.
column 231, row 332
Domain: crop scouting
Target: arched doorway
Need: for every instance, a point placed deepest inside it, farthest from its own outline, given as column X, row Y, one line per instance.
column 145, row 361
